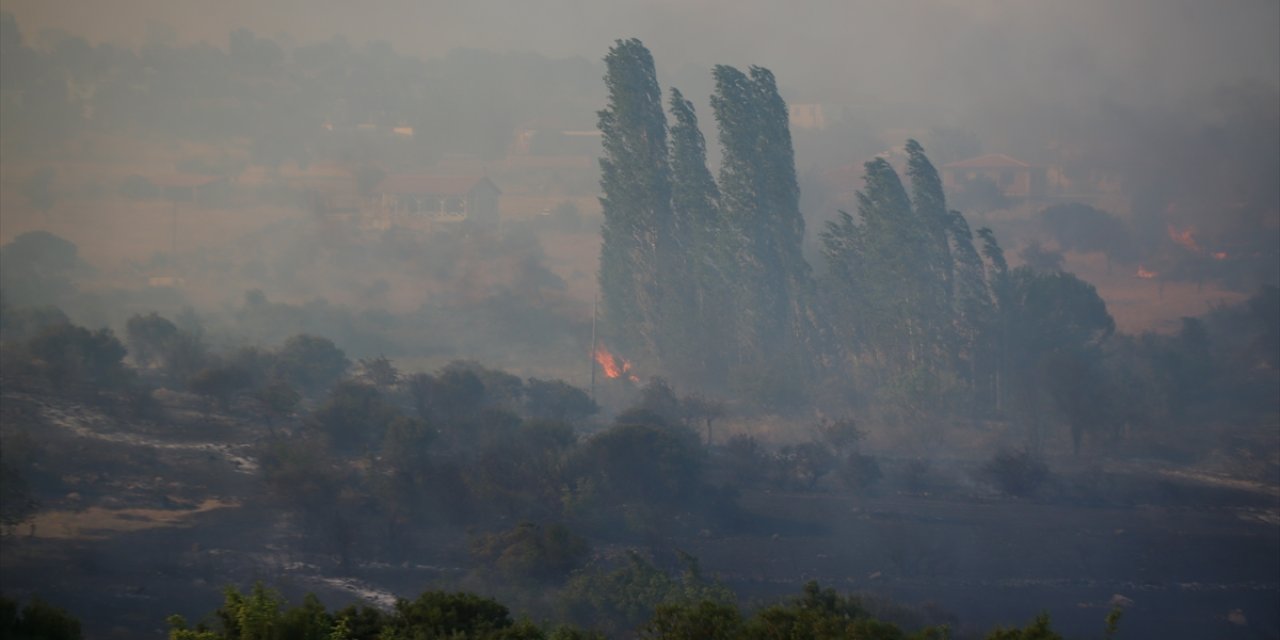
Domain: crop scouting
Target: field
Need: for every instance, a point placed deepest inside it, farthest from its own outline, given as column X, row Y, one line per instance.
column 173, row 512
column 121, row 236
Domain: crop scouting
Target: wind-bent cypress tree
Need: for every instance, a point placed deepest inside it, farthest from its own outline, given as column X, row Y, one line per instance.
column 1001, row 286
column 891, row 243
column 974, row 310
column 700, row 310
column 636, row 181
column 935, row 261
column 760, row 198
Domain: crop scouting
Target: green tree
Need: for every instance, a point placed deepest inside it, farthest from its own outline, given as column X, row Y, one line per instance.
column 379, row 372
column 277, row 399
column 1057, row 324
column 532, row 552
column 71, row 356
column 760, row 199
column 700, row 310
column 874, row 278
column 307, row 621
column 997, row 342
column 38, row 620
column 558, row 401
column 250, row 616
column 703, row 619
column 148, row 337
column 437, row 614
column 975, row 312
column 657, row 397
column 929, row 205
column 354, row 417
column 635, row 178
column 621, row 598
column 311, row 363
column 220, row 384
column 641, row 463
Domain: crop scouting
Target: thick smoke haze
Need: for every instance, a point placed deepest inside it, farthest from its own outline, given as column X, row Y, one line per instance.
column 951, row 55
column 640, row 316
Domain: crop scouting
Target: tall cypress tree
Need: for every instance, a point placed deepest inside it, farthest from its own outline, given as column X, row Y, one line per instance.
column 890, row 243
column 700, row 310
column 760, row 198
column 934, row 259
column 892, row 271
column 974, row 309
column 636, row 183
column 1000, row 284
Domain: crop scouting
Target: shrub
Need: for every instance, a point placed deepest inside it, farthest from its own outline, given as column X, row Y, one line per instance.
column 1015, row 473
column 531, row 552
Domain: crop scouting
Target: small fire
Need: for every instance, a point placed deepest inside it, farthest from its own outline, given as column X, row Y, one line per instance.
column 1219, row 255
column 1146, row 275
column 1185, row 238
column 614, row 366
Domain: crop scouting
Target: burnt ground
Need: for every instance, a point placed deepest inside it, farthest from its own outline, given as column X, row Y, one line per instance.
column 168, row 517
column 1181, row 570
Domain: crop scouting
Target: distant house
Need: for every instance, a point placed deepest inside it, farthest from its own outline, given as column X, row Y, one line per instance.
column 1014, row 178
column 417, row 199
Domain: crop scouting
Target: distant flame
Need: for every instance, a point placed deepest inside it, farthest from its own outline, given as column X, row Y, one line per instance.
column 613, row 366
column 1185, row 238
column 1219, row 255
column 1146, row 275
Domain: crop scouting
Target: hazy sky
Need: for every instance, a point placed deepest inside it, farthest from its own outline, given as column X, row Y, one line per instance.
column 961, row 51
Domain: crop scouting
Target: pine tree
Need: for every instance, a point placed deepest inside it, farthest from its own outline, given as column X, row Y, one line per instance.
column 636, row 182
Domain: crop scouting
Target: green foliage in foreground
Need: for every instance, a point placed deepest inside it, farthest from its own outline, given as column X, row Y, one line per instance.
column 36, row 621
column 816, row 614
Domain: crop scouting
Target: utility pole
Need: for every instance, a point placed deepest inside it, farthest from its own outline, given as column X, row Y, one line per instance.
column 591, row 357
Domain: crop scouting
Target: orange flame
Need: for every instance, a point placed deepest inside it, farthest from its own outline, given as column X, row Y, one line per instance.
column 1220, row 255
column 1185, row 238
column 613, row 366
column 1146, row 275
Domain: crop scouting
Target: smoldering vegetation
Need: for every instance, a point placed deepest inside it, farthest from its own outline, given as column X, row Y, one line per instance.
column 809, row 365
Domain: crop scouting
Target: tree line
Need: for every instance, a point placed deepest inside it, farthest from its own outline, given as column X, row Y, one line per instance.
column 705, row 278
column 262, row 614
